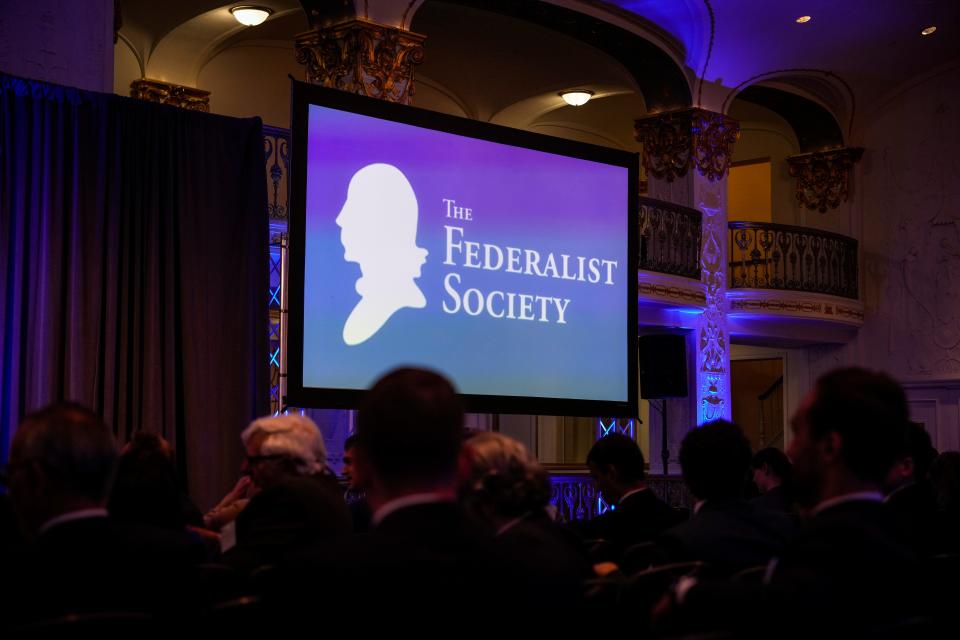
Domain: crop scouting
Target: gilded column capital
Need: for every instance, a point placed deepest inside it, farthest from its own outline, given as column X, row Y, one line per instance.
column 167, row 93
column 674, row 140
column 362, row 57
column 823, row 177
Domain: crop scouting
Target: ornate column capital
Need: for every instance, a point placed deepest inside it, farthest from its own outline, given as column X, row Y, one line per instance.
column 362, row 57
column 673, row 140
column 168, row 93
column 823, row 177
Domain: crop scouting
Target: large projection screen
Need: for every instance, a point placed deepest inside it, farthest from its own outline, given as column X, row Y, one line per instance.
column 503, row 259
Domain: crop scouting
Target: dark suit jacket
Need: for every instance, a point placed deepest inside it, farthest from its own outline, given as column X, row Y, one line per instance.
column 640, row 517
column 914, row 508
column 774, row 500
column 420, row 562
column 729, row 536
column 548, row 553
column 294, row 514
column 98, row 565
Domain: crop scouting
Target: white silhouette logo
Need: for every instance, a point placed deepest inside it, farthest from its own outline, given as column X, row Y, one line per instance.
column 378, row 225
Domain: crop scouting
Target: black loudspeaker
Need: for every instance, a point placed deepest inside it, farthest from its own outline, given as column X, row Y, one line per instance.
column 663, row 366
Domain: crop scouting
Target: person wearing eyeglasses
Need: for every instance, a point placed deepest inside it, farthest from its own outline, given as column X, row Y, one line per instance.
column 276, row 447
column 291, row 497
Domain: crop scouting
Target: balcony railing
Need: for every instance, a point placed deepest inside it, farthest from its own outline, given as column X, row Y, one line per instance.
column 669, row 238
column 775, row 256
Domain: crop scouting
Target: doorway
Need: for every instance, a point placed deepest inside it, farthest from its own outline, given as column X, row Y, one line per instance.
column 757, row 398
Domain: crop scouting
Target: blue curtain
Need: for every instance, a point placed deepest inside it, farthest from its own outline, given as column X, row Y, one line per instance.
column 133, row 270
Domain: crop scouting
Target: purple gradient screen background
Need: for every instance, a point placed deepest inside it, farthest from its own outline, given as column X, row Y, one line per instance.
column 519, row 198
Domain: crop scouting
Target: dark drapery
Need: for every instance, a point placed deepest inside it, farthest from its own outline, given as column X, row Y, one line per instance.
column 133, row 270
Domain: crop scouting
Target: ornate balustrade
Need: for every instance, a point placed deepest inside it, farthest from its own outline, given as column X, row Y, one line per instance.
column 787, row 258
column 669, row 238
column 575, row 495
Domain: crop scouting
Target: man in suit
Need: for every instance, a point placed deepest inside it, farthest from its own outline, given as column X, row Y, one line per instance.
column 725, row 530
column 354, row 495
column 773, row 475
column 79, row 560
column 424, row 555
column 910, row 494
column 848, row 568
column 637, row 515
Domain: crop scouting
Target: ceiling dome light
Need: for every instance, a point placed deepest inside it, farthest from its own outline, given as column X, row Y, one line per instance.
column 576, row 98
column 928, row 31
column 250, row 16
column 803, row 19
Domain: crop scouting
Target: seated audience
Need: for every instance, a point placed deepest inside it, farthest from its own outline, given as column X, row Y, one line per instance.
column 847, row 571
column 773, row 477
column 910, row 495
column 506, row 488
column 296, row 502
column 354, row 495
column 424, row 554
column 638, row 515
column 725, row 530
column 79, row 560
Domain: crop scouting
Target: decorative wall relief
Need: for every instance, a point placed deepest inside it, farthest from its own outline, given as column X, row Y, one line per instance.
column 713, row 350
column 674, row 140
column 173, row 94
column 823, row 177
column 276, row 151
column 910, row 186
column 362, row 57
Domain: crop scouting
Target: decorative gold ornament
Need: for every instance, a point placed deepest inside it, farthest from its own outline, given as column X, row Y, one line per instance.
column 172, row 94
column 823, row 177
column 674, row 139
column 362, row 57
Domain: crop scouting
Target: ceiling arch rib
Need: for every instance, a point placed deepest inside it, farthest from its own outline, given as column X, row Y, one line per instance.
column 662, row 82
column 815, row 126
column 182, row 52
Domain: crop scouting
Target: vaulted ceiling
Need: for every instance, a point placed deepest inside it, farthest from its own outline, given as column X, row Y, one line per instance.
column 505, row 60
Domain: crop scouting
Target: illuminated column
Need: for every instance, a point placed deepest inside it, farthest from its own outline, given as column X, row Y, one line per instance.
column 686, row 155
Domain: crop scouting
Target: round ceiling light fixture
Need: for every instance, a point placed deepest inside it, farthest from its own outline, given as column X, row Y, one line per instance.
column 928, row 31
column 804, row 19
column 576, row 98
column 250, row 16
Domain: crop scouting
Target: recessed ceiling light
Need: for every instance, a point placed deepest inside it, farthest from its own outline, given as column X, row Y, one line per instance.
column 803, row 19
column 250, row 16
column 928, row 31
column 576, row 98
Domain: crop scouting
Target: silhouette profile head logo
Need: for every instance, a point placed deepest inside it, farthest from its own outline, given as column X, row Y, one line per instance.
column 378, row 226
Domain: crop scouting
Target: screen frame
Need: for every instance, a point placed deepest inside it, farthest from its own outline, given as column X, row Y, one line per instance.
column 302, row 96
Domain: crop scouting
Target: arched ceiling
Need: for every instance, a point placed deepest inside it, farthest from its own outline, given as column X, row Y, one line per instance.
column 667, row 52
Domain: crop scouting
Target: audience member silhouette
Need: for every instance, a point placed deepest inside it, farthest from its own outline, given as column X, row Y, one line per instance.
column 146, row 489
column 356, row 485
column 848, row 568
column 80, row 560
column 945, row 477
column 725, row 530
column 297, row 503
column 505, row 486
column 773, row 477
column 617, row 466
column 910, row 494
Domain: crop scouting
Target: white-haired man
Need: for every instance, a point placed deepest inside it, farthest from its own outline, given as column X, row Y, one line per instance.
column 293, row 498
column 278, row 447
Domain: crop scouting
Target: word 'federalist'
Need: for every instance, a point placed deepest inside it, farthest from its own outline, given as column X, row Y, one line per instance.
column 529, row 262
